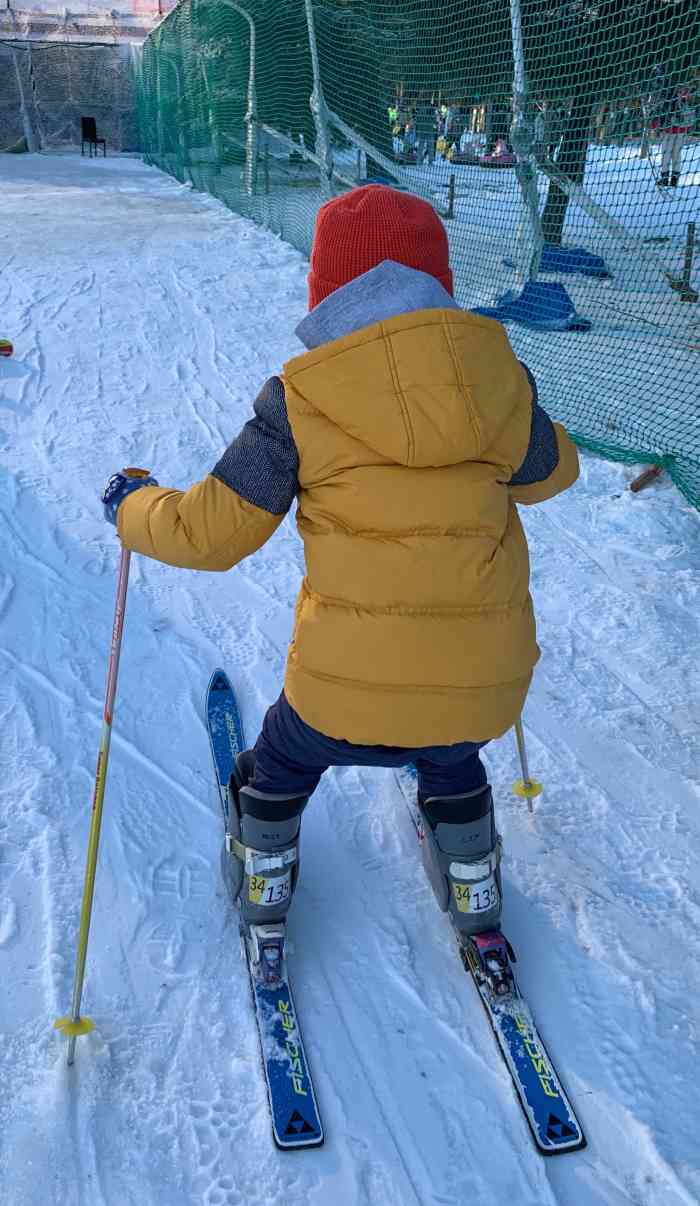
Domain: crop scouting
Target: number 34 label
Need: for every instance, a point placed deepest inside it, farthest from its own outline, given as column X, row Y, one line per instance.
column 476, row 898
column 266, row 892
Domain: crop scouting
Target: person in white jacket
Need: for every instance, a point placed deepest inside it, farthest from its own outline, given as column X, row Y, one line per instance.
column 675, row 118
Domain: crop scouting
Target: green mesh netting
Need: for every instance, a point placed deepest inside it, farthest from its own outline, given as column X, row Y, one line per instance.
column 559, row 141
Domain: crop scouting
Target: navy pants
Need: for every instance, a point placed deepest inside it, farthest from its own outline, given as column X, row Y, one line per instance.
column 290, row 758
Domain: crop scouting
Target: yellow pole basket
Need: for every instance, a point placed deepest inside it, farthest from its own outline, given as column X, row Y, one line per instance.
column 527, row 788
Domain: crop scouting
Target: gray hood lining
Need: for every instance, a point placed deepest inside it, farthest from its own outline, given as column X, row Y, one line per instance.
column 384, row 292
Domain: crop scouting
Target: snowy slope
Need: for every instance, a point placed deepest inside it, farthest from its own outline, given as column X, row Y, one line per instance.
column 145, row 317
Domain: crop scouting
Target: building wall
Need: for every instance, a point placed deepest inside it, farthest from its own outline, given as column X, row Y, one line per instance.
column 57, row 84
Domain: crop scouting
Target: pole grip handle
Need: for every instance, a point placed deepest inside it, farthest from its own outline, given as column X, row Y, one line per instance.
column 132, row 472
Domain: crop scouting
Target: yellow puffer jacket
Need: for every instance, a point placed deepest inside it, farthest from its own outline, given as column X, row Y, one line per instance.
column 414, row 623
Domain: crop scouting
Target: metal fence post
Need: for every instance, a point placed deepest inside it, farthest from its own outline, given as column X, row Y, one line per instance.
column 688, row 293
column 179, row 100
column 450, row 197
column 251, row 117
column 211, row 116
column 26, row 120
column 530, row 241
column 318, row 107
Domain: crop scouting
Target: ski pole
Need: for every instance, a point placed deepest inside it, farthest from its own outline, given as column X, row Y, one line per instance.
column 526, row 787
column 74, row 1025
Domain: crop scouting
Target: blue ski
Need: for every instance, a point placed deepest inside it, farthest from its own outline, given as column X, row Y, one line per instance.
column 544, row 1103
column 295, row 1118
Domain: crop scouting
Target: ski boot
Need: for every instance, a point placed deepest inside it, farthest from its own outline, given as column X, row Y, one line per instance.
column 462, row 854
column 674, row 179
column 260, row 863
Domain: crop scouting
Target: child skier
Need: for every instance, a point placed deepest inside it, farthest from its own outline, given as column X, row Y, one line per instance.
column 407, row 432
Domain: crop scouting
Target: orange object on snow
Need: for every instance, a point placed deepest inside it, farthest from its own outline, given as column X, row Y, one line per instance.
column 6, row 348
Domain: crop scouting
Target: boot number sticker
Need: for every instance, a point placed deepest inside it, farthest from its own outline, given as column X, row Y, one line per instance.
column 476, row 898
column 265, row 892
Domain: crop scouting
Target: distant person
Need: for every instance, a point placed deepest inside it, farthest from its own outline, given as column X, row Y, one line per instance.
column 472, row 141
column 404, row 112
column 612, row 125
column 409, row 137
column 626, row 124
column 548, row 128
column 680, row 119
column 499, row 123
column 454, row 124
column 425, row 119
column 675, row 116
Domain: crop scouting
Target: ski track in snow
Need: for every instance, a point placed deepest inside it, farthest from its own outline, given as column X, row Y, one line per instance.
column 145, row 318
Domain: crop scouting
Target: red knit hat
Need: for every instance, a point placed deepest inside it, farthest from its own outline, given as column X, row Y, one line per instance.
column 360, row 229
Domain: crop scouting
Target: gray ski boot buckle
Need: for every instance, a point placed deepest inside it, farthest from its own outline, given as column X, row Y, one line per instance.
column 257, row 862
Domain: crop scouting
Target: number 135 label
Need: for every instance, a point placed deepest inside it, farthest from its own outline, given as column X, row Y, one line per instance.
column 262, row 891
column 476, row 898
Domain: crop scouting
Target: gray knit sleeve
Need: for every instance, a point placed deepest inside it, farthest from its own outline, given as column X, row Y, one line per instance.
column 262, row 463
column 542, row 456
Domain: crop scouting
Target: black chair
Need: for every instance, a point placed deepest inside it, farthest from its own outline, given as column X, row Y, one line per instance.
column 88, row 133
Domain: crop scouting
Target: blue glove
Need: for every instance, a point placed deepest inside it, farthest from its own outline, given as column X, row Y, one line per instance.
column 121, row 484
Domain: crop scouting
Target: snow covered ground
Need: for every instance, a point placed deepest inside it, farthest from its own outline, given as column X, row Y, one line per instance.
column 145, row 318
